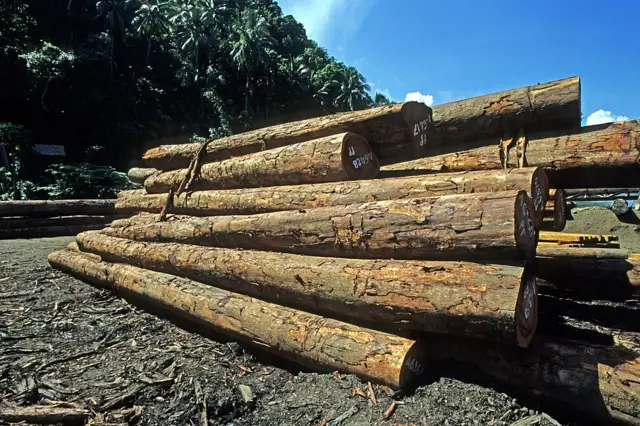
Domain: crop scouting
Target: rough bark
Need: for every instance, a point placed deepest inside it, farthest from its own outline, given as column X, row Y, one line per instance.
column 311, row 340
column 601, row 382
column 280, row 198
column 554, row 217
column 454, row 227
column 140, row 174
column 48, row 231
column 56, row 208
column 18, row 223
column 547, row 106
column 590, row 151
column 394, row 131
column 494, row 302
column 43, row 414
column 345, row 156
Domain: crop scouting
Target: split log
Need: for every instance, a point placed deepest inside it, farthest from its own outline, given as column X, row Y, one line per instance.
column 394, row 131
column 43, row 414
column 48, row 231
column 483, row 226
column 140, row 174
column 50, row 208
column 280, row 198
column 548, row 106
column 600, row 382
column 18, row 223
column 311, row 340
column 589, row 150
column 554, row 217
column 494, row 302
column 573, row 238
column 346, row 156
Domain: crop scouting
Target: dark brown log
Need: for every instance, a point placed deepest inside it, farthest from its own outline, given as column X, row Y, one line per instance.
column 548, row 106
column 43, row 414
column 554, row 217
column 588, row 151
column 279, row 198
column 48, row 231
column 19, row 223
column 345, row 156
column 494, row 302
column 316, row 342
column 56, row 208
column 600, row 382
column 140, row 174
column 394, row 131
column 470, row 226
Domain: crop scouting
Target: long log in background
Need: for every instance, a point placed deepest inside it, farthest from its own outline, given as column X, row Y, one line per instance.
column 345, row 156
column 20, row 223
column 279, row 198
column 494, row 302
column 50, row 208
column 48, row 231
column 316, row 342
column 394, row 131
column 469, row 226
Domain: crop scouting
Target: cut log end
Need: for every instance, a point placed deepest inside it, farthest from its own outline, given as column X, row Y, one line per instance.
column 358, row 159
column 539, row 193
column 527, row 309
column 525, row 232
column 413, row 366
column 560, row 209
column 419, row 118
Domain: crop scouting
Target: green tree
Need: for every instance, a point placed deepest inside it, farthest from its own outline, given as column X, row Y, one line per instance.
column 381, row 100
column 117, row 16
column 352, row 90
column 151, row 21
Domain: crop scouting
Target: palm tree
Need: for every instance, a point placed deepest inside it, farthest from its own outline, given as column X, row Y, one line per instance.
column 116, row 16
column 151, row 22
column 251, row 38
column 352, row 89
column 381, row 100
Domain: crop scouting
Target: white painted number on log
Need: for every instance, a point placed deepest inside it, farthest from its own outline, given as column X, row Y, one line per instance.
column 526, row 225
column 537, row 196
column 361, row 161
column 415, row 366
column 528, row 301
column 421, row 129
column 352, row 151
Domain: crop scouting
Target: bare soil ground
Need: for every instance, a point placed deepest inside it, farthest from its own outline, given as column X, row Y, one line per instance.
column 64, row 342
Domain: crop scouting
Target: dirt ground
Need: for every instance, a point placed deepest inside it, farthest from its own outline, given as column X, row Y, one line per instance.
column 64, row 342
column 598, row 220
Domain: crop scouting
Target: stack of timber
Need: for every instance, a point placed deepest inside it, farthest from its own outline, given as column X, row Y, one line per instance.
column 36, row 219
column 313, row 240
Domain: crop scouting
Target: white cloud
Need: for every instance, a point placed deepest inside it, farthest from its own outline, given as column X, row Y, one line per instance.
column 419, row 97
column 601, row 116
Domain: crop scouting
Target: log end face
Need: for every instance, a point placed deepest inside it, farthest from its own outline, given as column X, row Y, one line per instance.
column 419, row 118
column 525, row 230
column 539, row 193
column 560, row 210
column 358, row 159
column 527, row 309
column 414, row 366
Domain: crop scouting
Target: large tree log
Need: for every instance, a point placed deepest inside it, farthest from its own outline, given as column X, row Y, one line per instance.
column 602, row 383
column 48, row 231
column 19, row 223
column 482, row 226
column 394, row 131
column 279, row 198
column 590, row 149
column 140, row 174
column 56, row 208
column 311, row 340
column 554, row 216
column 334, row 158
column 493, row 302
column 548, row 106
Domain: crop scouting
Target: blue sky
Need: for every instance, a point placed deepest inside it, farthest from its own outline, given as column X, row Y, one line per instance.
column 439, row 51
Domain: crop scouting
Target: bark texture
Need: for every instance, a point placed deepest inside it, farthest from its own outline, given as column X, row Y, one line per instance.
column 601, row 382
column 56, row 208
column 484, row 225
column 311, row 340
column 547, row 106
column 554, row 217
column 334, row 158
column 43, row 414
column 18, row 223
column 48, row 231
column 280, row 198
column 394, row 131
column 494, row 302
column 140, row 174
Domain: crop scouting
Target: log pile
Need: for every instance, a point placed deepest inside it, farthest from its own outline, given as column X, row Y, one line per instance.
column 315, row 241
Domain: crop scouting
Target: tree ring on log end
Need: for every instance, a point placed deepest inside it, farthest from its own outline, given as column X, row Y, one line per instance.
column 419, row 118
column 358, row 159
column 414, row 366
column 527, row 308
column 525, row 233
column 539, row 193
column 560, row 210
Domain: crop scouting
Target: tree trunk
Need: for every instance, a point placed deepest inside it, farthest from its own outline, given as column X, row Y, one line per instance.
column 484, row 226
column 554, row 216
column 19, row 223
column 335, row 158
column 589, row 151
column 43, row 414
column 311, row 340
column 140, row 174
column 270, row 199
column 548, row 106
column 56, row 208
column 48, row 231
column 491, row 302
column 403, row 127
column 600, row 382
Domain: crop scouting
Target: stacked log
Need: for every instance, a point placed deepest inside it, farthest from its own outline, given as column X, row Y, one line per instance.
column 554, row 216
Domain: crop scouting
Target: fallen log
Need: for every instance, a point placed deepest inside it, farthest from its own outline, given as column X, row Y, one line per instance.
column 43, row 414
column 403, row 127
column 494, row 302
column 588, row 151
column 470, row 226
column 548, row 106
column 50, row 208
column 48, row 231
column 140, row 174
column 346, row 156
column 313, row 341
column 600, row 382
column 18, row 223
column 279, row 198
column 554, row 217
